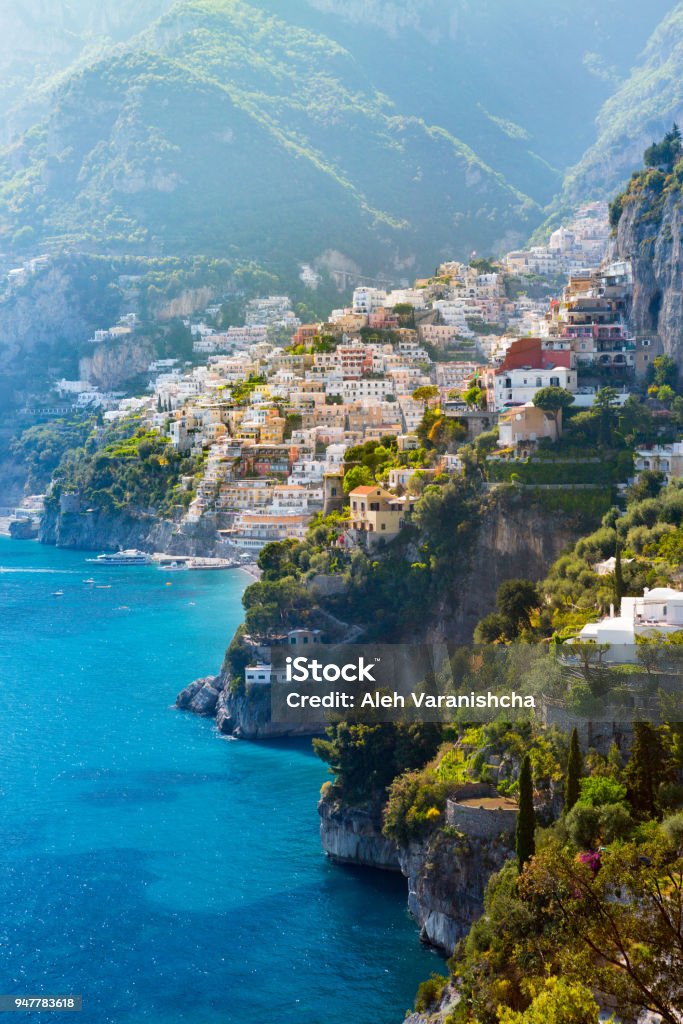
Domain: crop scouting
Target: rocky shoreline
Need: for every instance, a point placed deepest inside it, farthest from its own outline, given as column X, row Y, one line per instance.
column 242, row 712
column 92, row 530
column 446, row 873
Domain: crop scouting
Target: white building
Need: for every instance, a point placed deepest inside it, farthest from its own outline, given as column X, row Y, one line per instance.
column 517, row 386
column 657, row 612
column 663, row 458
column 367, row 300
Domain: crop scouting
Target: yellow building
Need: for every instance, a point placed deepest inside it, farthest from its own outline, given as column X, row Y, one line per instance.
column 377, row 511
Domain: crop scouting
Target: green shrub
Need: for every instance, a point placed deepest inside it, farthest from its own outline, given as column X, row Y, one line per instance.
column 597, row 790
column 429, row 993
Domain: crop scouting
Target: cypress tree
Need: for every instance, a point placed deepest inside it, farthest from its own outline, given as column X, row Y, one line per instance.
column 650, row 764
column 526, row 818
column 574, row 772
column 618, row 578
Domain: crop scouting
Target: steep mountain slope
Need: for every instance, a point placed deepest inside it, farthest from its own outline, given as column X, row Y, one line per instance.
column 227, row 130
column 40, row 39
column 277, row 129
column 650, row 234
column 520, row 82
column 640, row 111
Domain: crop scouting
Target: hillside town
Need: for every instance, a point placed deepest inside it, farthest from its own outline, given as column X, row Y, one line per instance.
column 274, row 405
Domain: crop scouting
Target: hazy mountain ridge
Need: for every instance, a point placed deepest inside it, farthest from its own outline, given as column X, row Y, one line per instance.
column 219, row 113
column 40, row 40
column 639, row 112
column 281, row 128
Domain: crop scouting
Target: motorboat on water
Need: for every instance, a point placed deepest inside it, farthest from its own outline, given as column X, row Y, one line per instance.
column 173, row 565
column 129, row 557
column 212, row 563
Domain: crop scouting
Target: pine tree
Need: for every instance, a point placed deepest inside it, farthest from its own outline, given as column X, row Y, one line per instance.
column 526, row 818
column 574, row 773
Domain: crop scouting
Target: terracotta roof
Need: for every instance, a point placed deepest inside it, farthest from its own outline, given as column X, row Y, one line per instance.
column 365, row 489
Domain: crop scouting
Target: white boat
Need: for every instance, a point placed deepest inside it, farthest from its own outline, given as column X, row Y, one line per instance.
column 211, row 563
column 58, row 593
column 173, row 566
column 91, row 580
column 130, row 557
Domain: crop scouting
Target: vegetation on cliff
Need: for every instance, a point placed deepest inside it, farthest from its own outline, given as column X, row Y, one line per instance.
column 126, row 468
column 641, row 108
column 42, row 447
column 390, row 593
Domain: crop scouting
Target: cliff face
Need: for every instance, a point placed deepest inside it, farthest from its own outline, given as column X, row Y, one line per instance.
column 112, row 365
column 650, row 232
column 515, row 540
column 446, row 874
column 447, row 877
column 102, row 531
column 244, row 714
column 353, row 835
column 45, row 323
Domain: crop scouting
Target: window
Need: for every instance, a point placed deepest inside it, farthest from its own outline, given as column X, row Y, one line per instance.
column 539, row 382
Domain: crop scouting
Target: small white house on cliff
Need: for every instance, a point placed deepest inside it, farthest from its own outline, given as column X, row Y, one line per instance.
column 657, row 612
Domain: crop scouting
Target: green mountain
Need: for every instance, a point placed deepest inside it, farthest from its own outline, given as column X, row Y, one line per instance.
column 393, row 134
column 41, row 39
column 643, row 107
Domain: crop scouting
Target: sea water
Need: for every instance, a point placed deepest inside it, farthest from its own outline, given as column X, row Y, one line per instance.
column 162, row 872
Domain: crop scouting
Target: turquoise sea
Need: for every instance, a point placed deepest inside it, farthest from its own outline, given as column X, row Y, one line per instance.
column 163, row 873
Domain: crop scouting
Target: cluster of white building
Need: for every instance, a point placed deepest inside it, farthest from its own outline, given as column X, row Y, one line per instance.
column 276, row 447
column 570, row 248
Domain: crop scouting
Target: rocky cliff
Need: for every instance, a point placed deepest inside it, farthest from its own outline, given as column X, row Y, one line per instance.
column 105, row 531
column 447, row 877
column 517, row 538
column 353, row 835
column 45, row 324
column 243, row 712
column 111, row 365
column 446, row 873
column 650, row 232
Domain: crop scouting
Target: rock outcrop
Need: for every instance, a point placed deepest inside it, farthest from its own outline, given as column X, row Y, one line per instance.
column 87, row 530
column 446, row 873
column 517, row 538
column 447, row 878
column 242, row 712
column 353, row 835
column 201, row 696
column 109, row 365
column 650, row 233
